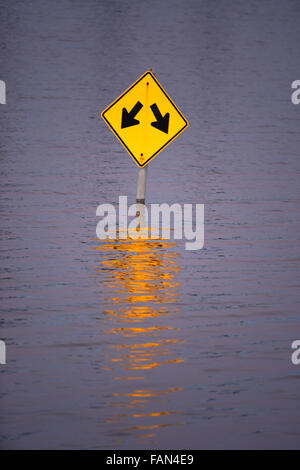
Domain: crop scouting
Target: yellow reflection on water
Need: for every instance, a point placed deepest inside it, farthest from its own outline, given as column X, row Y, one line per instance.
column 141, row 291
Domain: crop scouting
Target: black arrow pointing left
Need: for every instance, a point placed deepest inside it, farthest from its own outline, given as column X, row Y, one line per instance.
column 128, row 117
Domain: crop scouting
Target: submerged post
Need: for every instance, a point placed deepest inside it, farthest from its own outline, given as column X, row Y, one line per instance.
column 2, row 352
column 140, row 197
column 2, row 92
column 141, row 186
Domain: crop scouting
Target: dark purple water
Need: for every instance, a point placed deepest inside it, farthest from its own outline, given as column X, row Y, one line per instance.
column 135, row 344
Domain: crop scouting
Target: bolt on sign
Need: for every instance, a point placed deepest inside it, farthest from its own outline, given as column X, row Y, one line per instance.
column 144, row 119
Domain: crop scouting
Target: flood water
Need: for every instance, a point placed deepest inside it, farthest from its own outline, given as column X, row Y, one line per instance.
column 133, row 344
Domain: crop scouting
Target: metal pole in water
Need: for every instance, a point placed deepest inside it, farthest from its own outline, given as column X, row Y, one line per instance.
column 140, row 196
column 141, row 186
column 2, row 92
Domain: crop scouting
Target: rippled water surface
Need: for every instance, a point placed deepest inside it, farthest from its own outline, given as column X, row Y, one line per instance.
column 139, row 343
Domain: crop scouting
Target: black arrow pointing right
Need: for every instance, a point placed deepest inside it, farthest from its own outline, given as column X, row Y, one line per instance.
column 162, row 122
column 128, row 117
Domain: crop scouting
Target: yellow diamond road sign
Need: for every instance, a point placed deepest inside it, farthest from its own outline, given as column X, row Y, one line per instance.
column 144, row 119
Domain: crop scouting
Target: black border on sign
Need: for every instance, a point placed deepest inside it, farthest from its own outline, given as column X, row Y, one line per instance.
column 115, row 132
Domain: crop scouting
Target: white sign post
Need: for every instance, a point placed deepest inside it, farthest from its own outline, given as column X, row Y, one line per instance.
column 2, row 92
